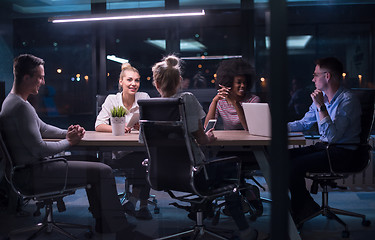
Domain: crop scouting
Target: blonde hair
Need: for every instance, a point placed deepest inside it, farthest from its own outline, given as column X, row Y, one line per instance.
column 167, row 74
column 125, row 67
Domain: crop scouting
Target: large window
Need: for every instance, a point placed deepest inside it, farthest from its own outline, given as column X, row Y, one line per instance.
column 314, row 30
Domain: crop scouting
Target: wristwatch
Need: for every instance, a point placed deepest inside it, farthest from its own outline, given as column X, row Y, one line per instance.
column 322, row 108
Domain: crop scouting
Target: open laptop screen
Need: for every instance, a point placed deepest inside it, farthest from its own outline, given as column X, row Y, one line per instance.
column 258, row 118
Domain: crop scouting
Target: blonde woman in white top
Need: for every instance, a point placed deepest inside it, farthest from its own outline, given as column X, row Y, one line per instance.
column 129, row 83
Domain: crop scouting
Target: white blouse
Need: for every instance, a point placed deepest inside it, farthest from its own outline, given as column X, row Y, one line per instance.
column 113, row 100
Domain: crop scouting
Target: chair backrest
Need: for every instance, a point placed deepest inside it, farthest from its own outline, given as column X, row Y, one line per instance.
column 7, row 163
column 366, row 97
column 171, row 163
column 99, row 102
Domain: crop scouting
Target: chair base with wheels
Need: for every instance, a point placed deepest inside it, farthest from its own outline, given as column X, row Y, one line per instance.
column 197, row 208
column 48, row 224
column 197, row 232
column 43, row 199
column 325, row 209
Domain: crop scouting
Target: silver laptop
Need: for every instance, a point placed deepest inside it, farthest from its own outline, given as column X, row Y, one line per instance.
column 258, row 118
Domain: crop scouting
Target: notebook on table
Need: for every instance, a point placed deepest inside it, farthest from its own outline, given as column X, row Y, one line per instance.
column 258, row 118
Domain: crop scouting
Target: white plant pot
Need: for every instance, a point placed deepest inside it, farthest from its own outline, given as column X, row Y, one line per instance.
column 118, row 126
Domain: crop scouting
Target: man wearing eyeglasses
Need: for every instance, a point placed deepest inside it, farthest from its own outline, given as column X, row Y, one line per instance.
column 337, row 113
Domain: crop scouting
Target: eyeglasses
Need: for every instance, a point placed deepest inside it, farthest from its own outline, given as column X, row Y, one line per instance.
column 317, row 74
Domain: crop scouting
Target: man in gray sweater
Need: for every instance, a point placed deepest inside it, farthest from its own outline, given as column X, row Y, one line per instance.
column 23, row 131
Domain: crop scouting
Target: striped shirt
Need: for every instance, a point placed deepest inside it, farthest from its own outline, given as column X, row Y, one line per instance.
column 228, row 113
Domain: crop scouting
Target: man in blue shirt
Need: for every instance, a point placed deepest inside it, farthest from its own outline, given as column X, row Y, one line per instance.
column 337, row 113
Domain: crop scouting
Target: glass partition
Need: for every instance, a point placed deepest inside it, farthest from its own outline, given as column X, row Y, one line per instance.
column 204, row 41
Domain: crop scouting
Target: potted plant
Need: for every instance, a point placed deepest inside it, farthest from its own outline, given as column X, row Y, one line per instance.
column 118, row 120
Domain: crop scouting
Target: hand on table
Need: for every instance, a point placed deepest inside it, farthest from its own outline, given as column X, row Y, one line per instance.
column 75, row 134
column 210, row 135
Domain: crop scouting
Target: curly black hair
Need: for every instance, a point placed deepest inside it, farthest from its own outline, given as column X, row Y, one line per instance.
column 229, row 69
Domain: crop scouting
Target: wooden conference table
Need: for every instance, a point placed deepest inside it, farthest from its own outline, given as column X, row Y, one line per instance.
column 100, row 141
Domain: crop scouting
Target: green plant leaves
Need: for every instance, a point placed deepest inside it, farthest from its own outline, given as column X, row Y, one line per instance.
column 119, row 111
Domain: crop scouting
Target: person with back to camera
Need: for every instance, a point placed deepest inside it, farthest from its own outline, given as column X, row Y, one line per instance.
column 23, row 132
column 129, row 83
column 338, row 115
column 167, row 79
column 234, row 82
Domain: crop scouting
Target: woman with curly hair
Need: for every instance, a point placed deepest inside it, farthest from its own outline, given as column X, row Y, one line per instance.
column 234, row 82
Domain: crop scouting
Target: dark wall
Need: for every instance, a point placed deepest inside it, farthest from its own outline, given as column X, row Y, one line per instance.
column 6, row 45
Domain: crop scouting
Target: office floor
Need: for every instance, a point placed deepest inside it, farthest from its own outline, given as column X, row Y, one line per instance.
column 171, row 219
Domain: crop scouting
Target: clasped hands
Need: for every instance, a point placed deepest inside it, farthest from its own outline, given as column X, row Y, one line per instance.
column 75, row 134
column 224, row 93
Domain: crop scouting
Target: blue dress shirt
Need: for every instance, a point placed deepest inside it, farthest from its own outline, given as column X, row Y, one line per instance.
column 343, row 124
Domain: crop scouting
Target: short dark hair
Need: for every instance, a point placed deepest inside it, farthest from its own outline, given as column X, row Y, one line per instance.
column 25, row 64
column 332, row 64
column 229, row 69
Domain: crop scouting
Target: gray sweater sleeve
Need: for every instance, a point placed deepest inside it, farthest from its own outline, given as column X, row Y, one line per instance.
column 31, row 131
column 49, row 131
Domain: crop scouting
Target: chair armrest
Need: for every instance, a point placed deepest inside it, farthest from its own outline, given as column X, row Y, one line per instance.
column 44, row 162
column 222, row 161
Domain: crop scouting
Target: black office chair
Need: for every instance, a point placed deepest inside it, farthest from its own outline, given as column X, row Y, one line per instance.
column 43, row 199
column 363, row 158
column 172, row 165
column 99, row 102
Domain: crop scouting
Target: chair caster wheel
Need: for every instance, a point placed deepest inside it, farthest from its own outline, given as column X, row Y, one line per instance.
column 345, row 234
column 156, row 210
column 89, row 234
column 366, row 223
